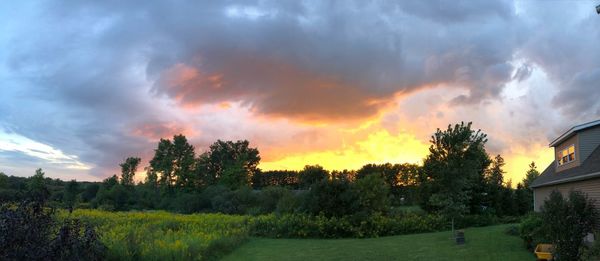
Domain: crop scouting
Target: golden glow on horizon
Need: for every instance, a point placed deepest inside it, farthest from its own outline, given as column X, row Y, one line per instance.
column 382, row 147
column 378, row 147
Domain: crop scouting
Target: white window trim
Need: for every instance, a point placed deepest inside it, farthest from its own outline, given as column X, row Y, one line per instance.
column 574, row 155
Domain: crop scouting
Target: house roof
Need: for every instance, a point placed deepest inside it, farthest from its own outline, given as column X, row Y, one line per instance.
column 574, row 130
column 589, row 169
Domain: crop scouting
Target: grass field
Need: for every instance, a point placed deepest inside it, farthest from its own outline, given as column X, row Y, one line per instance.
column 484, row 243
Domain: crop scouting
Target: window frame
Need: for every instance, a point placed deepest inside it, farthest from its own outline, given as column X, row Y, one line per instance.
column 560, row 162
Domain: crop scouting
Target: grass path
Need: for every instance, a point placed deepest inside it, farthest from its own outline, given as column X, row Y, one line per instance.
column 485, row 243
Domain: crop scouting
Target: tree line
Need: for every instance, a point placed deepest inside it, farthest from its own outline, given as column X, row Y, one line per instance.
column 458, row 177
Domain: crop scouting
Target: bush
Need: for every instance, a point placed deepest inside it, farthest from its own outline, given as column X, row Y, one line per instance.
column 241, row 201
column 290, row 203
column 567, row 222
column 269, row 198
column 331, row 198
column 320, row 226
column 373, row 194
column 531, row 231
column 28, row 232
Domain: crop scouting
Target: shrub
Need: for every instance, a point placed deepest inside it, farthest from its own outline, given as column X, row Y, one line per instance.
column 320, row 226
column 240, row 201
column 373, row 194
column 269, row 198
column 332, row 198
column 28, row 232
column 531, row 231
column 289, row 203
column 567, row 222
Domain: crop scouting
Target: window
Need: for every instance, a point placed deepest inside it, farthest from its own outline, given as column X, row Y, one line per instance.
column 566, row 155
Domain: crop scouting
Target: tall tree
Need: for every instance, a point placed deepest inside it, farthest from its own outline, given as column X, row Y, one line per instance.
column 183, row 161
column 496, row 171
column 456, row 159
column 128, row 169
column 162, row 162
column 497, row 194
column 531, row 174
column 174, row 161
column 311, row 175
column 70, row 196
column 37, row 186
column 524, row 193
column 227, row 162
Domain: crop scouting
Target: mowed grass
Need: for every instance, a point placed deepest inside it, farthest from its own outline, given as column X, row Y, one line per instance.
column 484, row 243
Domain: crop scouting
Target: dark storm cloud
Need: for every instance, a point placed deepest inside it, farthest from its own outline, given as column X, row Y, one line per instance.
column 86, row 74
column 563, row 40
column 339, row 61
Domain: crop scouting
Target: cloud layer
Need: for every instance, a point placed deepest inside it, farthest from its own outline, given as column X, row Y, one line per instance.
column 105, row 80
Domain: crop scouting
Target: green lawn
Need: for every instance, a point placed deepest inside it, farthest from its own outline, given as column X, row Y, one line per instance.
column 485, row 243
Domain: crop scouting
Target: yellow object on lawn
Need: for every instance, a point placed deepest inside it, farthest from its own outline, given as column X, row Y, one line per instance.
column 544, row 251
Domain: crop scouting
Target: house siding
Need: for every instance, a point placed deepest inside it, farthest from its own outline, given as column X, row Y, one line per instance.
column 565, row 144
column 591, row 187
column 589, row 140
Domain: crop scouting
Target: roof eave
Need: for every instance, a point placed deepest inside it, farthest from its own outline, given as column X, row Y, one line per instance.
column 572, row 131
column 567, row 180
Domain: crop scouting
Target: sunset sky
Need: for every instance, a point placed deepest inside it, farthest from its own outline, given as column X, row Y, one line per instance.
column 84, row 84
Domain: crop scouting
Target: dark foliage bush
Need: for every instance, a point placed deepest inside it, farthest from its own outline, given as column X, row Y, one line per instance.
column 531, row 231
column 567, row 222
column 320, row 226
column 332, row 198
column 29, row 232
column 269, row 198
column 240, row 201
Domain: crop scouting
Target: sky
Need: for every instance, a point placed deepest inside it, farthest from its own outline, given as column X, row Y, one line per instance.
column 85, row 84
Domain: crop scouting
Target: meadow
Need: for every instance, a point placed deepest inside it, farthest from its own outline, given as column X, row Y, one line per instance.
column 159, row 235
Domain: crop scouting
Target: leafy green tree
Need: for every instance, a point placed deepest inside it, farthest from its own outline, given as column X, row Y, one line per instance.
column 456, row 160
column 388, row 172
column 37, row 188
column 151, row 178
column 230, row 163
column 90, row 191
column 174, row 161
column 234, row 175
column 162, row 163
column 70, row 195
column 128, row 169
column 184, row 161
column 311, row 175
column 373, row 194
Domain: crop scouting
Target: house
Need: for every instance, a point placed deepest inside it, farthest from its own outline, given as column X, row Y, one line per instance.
column 576, row 165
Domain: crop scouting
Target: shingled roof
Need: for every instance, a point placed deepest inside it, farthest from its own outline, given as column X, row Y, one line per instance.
column 589, row 169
